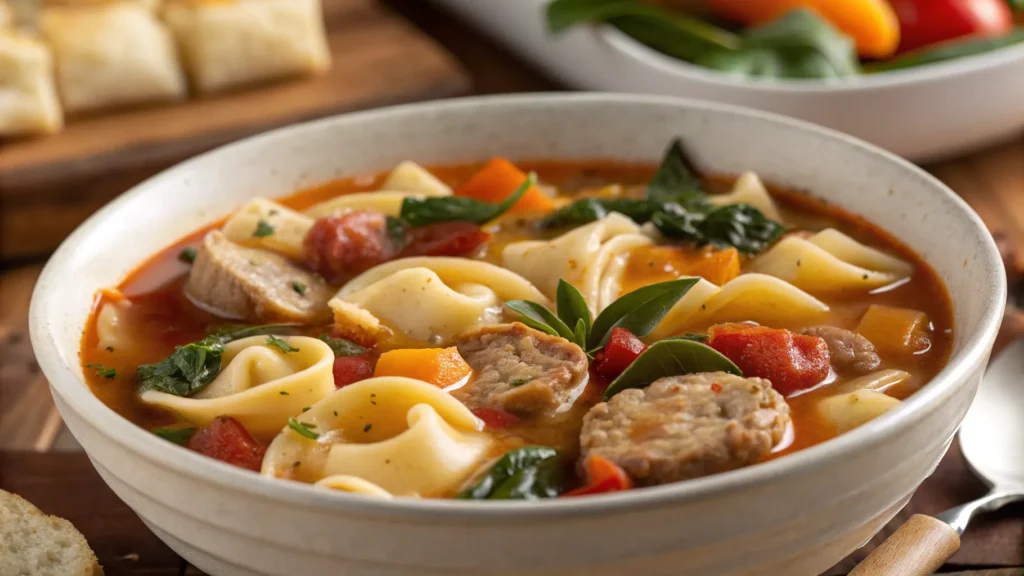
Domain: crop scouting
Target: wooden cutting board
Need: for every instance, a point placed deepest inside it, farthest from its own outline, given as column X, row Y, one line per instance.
column 51, row 184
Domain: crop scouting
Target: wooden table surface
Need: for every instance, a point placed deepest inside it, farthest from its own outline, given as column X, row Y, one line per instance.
column 39, row 460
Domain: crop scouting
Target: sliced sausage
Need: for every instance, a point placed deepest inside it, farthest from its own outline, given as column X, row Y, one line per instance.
column 683, row 427
column 848, row 351
column 520, row 370
column 253, row 284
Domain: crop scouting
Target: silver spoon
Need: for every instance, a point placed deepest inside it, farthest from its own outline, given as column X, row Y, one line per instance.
column 992, row 441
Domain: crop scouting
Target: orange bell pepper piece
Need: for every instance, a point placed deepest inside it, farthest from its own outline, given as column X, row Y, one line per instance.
column 871, row 23
column 439, row 366
column 497, row 180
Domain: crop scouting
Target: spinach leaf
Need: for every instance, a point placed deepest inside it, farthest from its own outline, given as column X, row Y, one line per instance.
column 673, row 357
column 586, row 210
column 431, row 210
column 540, row 318
column 342, row 347
column 281, row 345
column 947, row 51
column 639, row 311
column 739, row 225
column 177, row 435
column 572, row 309
column 192, row 366
column 800, row 44
column 103, row 371
column 527, row 473
column 676, row 177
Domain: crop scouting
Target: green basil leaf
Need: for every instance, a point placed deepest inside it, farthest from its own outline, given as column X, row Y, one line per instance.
column 572, row 308
column 529, row 472
column 540, row 318
column 676, row 176
column 690, row 336
column 431, row 210
column 586, row 210
column 670, row 358
column 581, row 333
column 341, row 346
column 281, row 345
column 639, row 311
column 947, row 51
column 177, row 435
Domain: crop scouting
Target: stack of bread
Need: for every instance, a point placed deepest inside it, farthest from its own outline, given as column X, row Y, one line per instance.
column 79, row 56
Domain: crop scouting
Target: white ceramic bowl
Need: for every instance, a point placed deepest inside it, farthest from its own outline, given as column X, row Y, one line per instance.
column 794, row 516
column 922, row 113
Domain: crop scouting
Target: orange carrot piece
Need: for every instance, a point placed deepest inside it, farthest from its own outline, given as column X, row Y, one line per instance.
column 895, row 330
column 652, row 264
column 497, row 180
column 439, row 366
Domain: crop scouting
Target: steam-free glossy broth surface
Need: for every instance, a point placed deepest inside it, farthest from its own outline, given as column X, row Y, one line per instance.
column 164, row 318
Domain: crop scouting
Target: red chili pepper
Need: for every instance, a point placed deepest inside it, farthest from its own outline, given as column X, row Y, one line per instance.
column 603, row 476
column 792, row 362
column 351, row 369
column 494, row 418
column 926, row 22
column 622, row 349
column 227, row 440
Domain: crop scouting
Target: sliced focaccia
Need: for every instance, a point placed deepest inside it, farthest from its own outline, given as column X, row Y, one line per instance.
column 28, row 99
column 227, row 43
column 112, row 54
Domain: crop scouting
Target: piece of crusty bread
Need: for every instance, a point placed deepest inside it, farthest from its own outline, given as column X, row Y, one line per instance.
column 34, row 544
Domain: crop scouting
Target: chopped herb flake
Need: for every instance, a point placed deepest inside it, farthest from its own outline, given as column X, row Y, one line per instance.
column 306, row 409
column 109, row 348
column 280, row 345
column 299, row 287
column 335, row 412
column 519, row 382
column 187, row 255
column 176, row 435
column 101, row 370
column 263, row 229
column 302, row 429
column 283, row 393
column 342, row 347
column 367, row 427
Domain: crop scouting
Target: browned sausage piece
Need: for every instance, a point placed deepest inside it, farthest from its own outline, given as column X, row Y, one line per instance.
column 848, row 351
column 520, row 370
column 683, row 427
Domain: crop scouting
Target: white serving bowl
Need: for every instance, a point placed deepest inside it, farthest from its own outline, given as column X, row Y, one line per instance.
column 796, row 515
column 923, row 113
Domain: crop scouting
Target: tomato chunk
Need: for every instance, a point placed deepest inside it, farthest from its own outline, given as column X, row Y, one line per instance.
column 792, row 362
column 445, row 239
column 622, row 349
column 494, row 418
column 351, row 369
column 927, row 22
column 228, row 441
column 339, row 247
column 603, row 476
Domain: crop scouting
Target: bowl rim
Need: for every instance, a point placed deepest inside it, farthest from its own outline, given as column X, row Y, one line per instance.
column 625, row 44
column 77, row 396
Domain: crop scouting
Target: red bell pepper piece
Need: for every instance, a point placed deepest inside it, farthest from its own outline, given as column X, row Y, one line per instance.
column 351, row 369
column 225, row 439
column 622, row 349
column 792, row 362
column 603, row 476
column 926, row 22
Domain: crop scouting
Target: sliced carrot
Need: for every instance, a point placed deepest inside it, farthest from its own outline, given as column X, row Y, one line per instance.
column 439, row 366
column 652, row 264
column 871, row 23
column 895, row 330
column 497, row 180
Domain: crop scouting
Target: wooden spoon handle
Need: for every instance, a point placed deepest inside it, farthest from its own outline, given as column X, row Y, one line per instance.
column 918, row 548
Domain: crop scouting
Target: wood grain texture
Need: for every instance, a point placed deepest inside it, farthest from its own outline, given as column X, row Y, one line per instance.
column 49, row 185
column 918, row 548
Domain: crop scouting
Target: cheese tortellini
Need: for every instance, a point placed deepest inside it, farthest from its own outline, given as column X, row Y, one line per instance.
column 260, row 385
column 830, row 261
column 746, row 298
column 407, row 180
column 848, row 411
column 429, row 299
column 383, row 436
column 289, row 227
column 589, row 257
column 750, row 190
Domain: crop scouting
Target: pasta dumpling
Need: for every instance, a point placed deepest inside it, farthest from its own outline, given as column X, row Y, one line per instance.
column 115, row 327
column 408, row 180
column 848, row 411
column 830, row 261
column 260, row 385
column 412, row 178
column 750, row 190
column 429, row 299
column 394, row 435
column 28, row 96
column 289, row 227
column 587, row 257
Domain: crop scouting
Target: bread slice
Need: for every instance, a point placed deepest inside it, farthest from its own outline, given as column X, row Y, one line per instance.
column 34, row 544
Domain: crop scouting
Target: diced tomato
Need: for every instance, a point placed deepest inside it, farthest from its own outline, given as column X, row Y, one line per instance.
column 352, row 369
column 228, row 441
column 494, row 418
column 792, row 362
column 926, row 22
column 622, row 349
column 603, row 475
column 445, row 239
column 339, row 247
